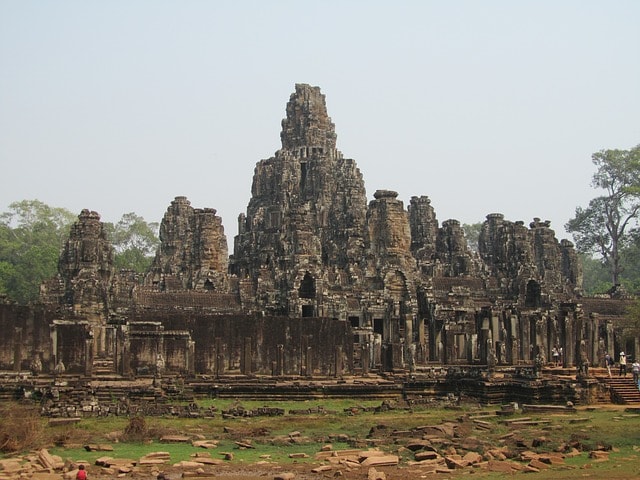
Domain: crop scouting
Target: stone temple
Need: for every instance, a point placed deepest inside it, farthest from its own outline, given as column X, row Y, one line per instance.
column 321, row 283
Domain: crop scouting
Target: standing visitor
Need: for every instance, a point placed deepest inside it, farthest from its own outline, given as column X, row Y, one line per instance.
column 623, row 365
column 556, row 356
column 635, row 370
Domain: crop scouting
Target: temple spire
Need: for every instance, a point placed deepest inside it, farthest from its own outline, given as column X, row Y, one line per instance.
column 307, row 124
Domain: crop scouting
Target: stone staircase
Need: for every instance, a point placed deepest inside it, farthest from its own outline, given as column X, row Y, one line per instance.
column 622, row 389
column 103, row 366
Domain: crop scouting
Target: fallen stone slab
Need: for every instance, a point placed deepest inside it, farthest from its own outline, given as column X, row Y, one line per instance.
column 205, row 443
column 549, row 408
column 599, row 455
column 209, row 461
column 47, row 476
column 500, row 466
column 472, row 458
column 338, row 453
column 426, row 455
column 175, row 439
column 10, row 465
column 164, row 455
column 244, row 445
column 284, row 476
column 322, row 468
column 455, row 463
column 99, row 448
column 152, row 461
column 188, row 464
column 580, row 420
column 537, row 464
column 375, row 461
column 63, row 421
column 419, row 444
column 298, row 455
column 374, row 474
column 364, row 454
column 551, row 459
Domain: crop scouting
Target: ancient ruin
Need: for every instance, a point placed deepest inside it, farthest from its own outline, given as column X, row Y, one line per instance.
column 322, row 284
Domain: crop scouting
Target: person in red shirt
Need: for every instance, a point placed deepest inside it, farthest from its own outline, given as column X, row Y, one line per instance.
column 82, row 473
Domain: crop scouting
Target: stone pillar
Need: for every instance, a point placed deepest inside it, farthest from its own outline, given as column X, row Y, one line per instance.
column 191, row 356
column 245, row 360
column 365, row 357
column 568, row 346
column 126, row 358
column 308, row 361
column 88, row 356
column 17, row 349
column 219, row 360
column 483, row 341
column 54, row 347
column 280, row 360
column 338, row 362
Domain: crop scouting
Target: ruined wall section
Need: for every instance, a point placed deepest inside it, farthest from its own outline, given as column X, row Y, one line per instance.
column 424, row 231
column 455, row 259
column 193, row 252
column 305, row 219
column 529, row 264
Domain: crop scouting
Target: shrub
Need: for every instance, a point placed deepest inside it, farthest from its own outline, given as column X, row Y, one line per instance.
column 20, row 428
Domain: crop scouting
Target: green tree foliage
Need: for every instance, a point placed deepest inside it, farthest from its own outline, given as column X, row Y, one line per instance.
column 596, row 278
column 604, row 227
column 472, row 234
column 135, row 242
column 31, row 236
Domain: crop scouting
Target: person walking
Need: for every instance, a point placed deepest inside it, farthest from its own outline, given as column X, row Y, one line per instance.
column 608, row 361
column 623, row 365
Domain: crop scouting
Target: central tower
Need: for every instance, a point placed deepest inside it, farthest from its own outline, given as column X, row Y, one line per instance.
column 305, row 221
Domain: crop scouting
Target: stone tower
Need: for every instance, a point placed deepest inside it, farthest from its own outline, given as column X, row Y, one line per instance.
column 86, row 265
column 305, row 220
column 193, row 252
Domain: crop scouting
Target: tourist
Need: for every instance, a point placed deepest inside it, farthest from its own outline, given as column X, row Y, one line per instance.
column 608, row 362
column 635, row 370
column 82, row 473
column 556, row 356
column 623, row 365
column 561, row 353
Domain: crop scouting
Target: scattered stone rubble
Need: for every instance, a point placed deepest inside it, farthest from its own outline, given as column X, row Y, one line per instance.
column 487, row 442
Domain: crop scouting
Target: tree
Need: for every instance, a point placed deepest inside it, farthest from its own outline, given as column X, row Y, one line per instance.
column 605, row 225
column 596, row 278
column 472, row 234
column 31, row 237
column 134, row 241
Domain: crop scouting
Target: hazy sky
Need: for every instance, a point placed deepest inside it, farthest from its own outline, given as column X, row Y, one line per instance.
column 484, row 106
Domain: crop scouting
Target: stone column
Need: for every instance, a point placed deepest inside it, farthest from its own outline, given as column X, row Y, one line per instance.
column 191, row 357
column 17, row 349
column 280, row 360
column 88, row 356
column 245, row 361
column 219, row 360
column 308, row 360
column 338, row 362
column 365, row 357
